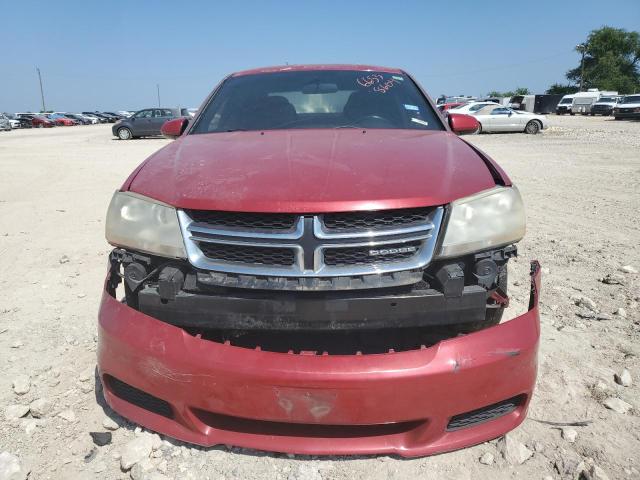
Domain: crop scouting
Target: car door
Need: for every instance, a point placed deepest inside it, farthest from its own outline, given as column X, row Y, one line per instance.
column 141, row 123
column 160, row 116
column 519, row 120
column 498, row 120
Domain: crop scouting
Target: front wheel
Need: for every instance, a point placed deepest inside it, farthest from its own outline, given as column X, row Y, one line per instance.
column 479, row 130
column 532, row 127
column 124, row 133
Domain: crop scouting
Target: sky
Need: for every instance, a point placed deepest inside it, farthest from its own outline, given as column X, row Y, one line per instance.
column 111, row 55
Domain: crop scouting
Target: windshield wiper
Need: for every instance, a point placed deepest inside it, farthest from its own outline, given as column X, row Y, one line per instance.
column 347, row 126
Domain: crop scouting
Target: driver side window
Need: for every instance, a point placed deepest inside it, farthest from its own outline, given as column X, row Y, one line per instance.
column 500, row 111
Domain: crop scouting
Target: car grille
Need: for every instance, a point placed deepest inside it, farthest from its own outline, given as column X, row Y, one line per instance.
column 352, row 221
column 247, row 254
column 367, row 255
column 258, row 221
column 324, row 245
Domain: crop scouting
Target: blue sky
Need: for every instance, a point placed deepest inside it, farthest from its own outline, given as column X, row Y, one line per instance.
column 110, row 55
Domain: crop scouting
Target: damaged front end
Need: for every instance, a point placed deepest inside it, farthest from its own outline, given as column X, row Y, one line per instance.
column 337, row 315
column 420, row 372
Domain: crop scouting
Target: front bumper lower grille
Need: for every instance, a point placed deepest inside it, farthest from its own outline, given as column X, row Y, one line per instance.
column 311, row 246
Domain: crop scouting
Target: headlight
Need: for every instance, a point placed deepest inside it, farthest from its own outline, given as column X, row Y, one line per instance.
column 487, row 219
column 144, row 224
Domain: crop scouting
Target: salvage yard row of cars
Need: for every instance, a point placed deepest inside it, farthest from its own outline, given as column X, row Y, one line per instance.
column 10, row 121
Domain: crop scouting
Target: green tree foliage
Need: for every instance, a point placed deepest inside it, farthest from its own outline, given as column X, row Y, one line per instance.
column 558, row 88
column 611, row 61
column 510, row 93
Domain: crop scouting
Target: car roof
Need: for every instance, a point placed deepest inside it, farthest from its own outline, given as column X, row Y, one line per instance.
column 296, row 68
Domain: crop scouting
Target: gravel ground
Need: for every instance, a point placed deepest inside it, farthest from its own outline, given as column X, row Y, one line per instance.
column 581, row 183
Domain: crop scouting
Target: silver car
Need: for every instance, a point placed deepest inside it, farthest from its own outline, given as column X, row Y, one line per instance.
column 5, row 123
column 496, row 118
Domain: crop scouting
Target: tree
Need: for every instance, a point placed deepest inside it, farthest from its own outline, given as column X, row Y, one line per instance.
column 510, row 93
column 558, row 88
column 611, row 58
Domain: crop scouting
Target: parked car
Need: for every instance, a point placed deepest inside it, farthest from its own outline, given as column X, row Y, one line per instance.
column 124, row 113
column 37, row 121
column 317, row 265
column 144, row 123
column 629, row 107
column 117, row 116
column 604, row 105
column 443, row 107
column 92, row 118
column 564, row 105
column 17, row 122
column 470, row 108
column 5, row 123
column 504, row 119
column 82, row 120
column 62, row 120
column 102, row 118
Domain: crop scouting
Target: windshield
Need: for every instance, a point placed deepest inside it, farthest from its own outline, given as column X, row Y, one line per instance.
column 317, row 99
column 631, row 99
column 607, row 99
column 566, row 100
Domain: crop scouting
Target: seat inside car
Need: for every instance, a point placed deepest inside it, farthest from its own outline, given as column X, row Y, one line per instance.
column 362, row 104
column 268, row 111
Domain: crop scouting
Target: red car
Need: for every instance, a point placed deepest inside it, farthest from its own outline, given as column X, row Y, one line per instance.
column 61, row 121
column 38, row 121
column 318, row 265
column 448, row 106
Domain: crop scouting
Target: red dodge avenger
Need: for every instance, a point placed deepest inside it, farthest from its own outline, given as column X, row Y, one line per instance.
column 318, row 265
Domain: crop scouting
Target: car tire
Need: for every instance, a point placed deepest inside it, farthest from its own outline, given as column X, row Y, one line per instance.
column 479, row 130
column 124, row 133
column 618, row 118
column 532, row 127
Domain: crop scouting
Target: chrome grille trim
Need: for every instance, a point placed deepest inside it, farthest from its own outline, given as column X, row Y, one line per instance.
column 316, row 240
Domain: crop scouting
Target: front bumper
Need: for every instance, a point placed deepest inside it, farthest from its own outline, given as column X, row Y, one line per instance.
column 619, row 114
column 402, row 403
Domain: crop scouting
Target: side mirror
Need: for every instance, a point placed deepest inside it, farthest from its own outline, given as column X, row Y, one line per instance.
column 174, row 128
column 462, row 124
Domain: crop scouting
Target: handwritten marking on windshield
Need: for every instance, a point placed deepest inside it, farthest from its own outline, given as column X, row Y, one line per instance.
column 378, row 82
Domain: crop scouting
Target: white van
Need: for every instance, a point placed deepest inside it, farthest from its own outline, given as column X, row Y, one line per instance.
column 565, row 104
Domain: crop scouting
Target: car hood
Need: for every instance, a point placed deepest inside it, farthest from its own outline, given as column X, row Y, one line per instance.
column 304, row 171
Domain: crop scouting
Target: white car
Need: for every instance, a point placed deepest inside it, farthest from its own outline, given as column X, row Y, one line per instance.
column 471, row 108
column 504, row 119
column 91, row 118
column 629, row 107
column 5, row 124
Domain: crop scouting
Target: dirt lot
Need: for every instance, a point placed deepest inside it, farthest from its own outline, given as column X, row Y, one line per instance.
column 581, row 183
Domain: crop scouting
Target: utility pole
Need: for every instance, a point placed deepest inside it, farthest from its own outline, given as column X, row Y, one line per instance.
column 44, row 109
column 158, row 88
column 582, row 48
